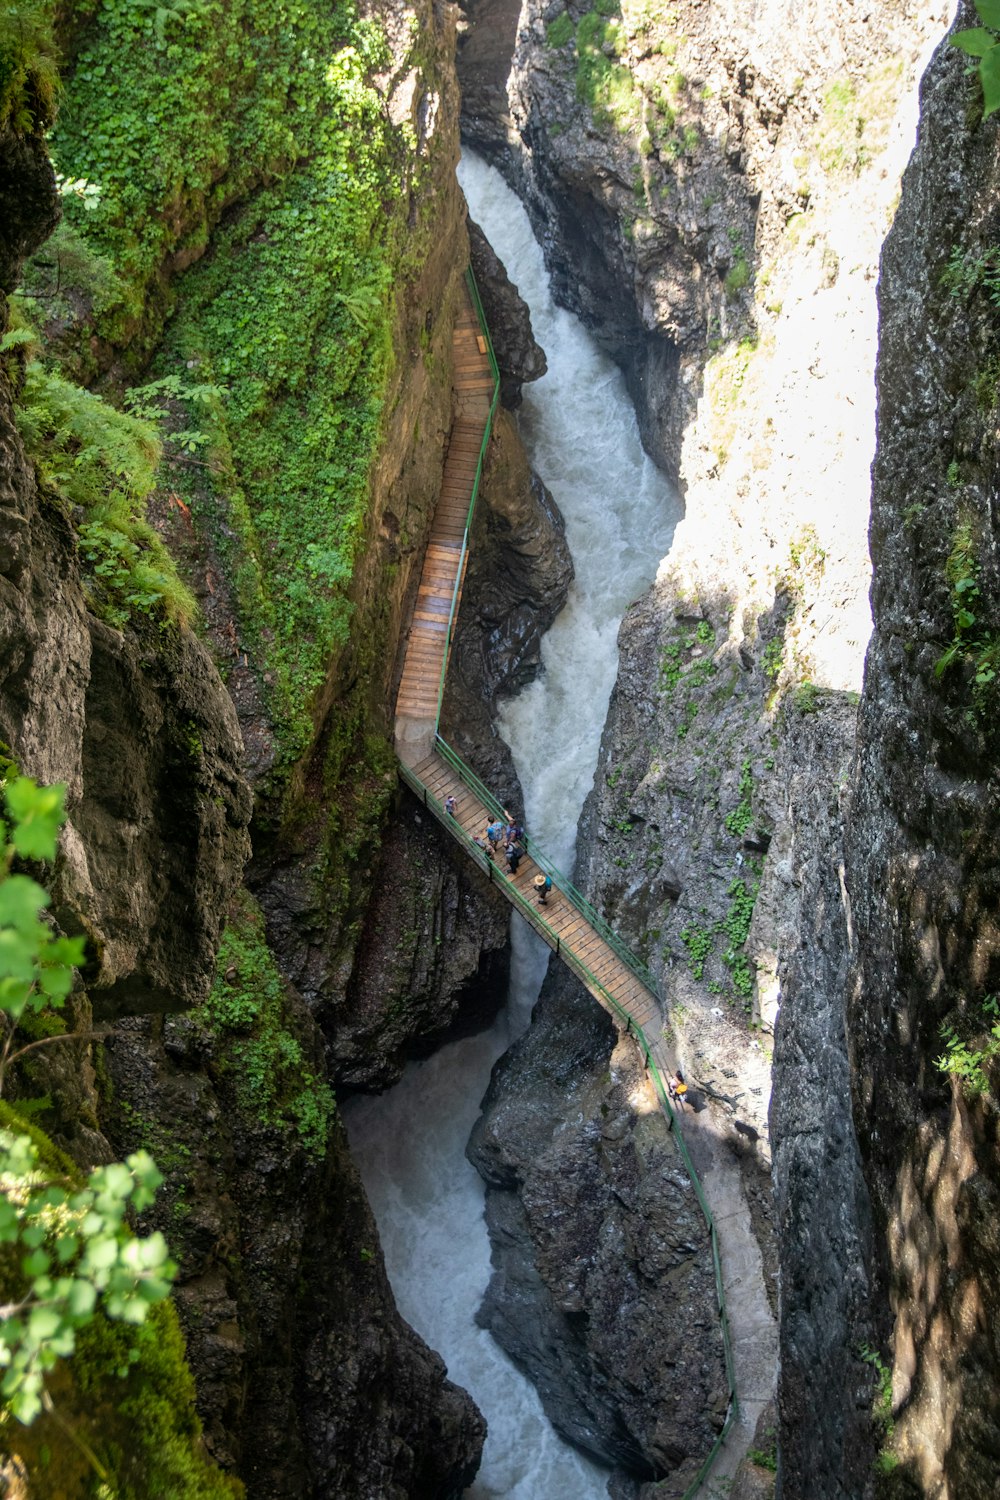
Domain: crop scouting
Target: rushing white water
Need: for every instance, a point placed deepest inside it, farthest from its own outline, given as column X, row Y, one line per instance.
column 581, row 435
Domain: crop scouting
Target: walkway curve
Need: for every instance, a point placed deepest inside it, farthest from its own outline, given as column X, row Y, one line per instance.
column 567, row 922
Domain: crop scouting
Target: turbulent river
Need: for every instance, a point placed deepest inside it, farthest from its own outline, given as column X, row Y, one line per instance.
column 579, row 428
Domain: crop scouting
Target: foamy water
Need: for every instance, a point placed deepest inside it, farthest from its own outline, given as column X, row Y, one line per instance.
column 581, row 435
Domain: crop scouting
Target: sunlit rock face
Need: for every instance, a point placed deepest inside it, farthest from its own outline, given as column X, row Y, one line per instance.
column 922, row 846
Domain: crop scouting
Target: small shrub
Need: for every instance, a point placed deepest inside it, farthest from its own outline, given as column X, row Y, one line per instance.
column 739, row 820
column 560, row 31
column 699, row 942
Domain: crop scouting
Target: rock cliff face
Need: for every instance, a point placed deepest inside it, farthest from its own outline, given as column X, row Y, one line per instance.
column 712, row 196
column 921, row 856
column 601, row 1288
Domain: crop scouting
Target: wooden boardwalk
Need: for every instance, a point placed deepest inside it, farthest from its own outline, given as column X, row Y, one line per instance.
column 429, row 642
column 566, row 930
column 435, row 774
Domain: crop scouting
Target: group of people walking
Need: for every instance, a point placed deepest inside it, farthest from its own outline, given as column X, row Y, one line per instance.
column 506, row 837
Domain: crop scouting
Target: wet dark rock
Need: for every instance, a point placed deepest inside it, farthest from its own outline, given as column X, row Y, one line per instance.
column 519, row 357
column 601, row 1289
column 290, row 1324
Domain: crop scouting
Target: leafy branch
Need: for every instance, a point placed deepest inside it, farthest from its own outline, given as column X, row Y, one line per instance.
column 65, row 1244
column 983, row 43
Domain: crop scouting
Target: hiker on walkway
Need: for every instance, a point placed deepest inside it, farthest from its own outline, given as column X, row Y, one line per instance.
column 493, row 831
column 543, row 884
column 449, row 806
column 483, row 843
column 678, row 1089
column 513, row 833
column 513, row 856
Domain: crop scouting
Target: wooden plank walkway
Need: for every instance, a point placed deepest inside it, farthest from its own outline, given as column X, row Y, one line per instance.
column 566, row 930
column 428, row 646
column 429, row 643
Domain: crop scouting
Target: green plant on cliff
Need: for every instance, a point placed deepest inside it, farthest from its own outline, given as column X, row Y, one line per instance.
column 560, row 31
column 739, row 820
column 29, row 70
column 608, row 87
column 103, row 464
column 247, row 1011
column 65, row 1246
column 967, row 1057
column 972, row 642
column 983, row 44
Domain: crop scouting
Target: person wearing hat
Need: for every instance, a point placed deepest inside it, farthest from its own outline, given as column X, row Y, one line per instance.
column 543, row 884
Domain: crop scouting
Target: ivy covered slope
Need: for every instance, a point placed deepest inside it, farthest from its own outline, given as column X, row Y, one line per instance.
column 284, row 273
column 312, row 128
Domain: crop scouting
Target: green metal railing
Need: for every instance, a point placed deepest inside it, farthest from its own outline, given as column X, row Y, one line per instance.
column 565, row 885
column 536, row 920
column 470, row 282
column 534, row 917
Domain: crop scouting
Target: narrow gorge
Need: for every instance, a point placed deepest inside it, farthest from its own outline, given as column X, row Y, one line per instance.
column 725, row 643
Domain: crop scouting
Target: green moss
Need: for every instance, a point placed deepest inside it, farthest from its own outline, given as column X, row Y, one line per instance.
column 560, row 31
column 127, row 1427
column 103, row 464
column 247, row 1011
column 171, row 115
column 607, row 86
column 28, row 67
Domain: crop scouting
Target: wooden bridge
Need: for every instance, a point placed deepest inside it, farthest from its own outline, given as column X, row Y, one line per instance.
column 568, row 923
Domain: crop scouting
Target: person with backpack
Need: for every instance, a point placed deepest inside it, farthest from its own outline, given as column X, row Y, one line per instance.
column 513, row 855
column 543, row 884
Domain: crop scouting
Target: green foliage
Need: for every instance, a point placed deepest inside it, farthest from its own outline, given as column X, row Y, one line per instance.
column 65, row 1248
column 699, row 942
column 983, row 44
column 36, row 965
column 151, row 1447
column 972, row 642
column 737, row 277
column 739, row 820
column 736, row 926
column 693, row 672
column 247, row 1011
column 771, row 661
column 293, row 314
column 806, row 698
column 607, row 86
column 103, row 463
column 29, row 69
column 765, row 1458
column 560, row 31
column 966, row 274
column 967, row 1058
column 882, row 1416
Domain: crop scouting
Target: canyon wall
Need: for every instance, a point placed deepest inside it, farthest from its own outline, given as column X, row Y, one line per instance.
column 920, row 857
column 712, row 192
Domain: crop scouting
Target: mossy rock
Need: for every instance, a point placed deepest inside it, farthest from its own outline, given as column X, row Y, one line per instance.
column 124, row 1425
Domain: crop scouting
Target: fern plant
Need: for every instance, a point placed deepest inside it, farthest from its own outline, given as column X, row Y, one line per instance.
column 29, row 71
column 103, row 463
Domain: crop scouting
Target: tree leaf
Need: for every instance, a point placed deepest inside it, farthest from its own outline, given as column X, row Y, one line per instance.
column 989, row 13
column 975, row 41
column 38, row 813
column 21, row 899
column 989, row 77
